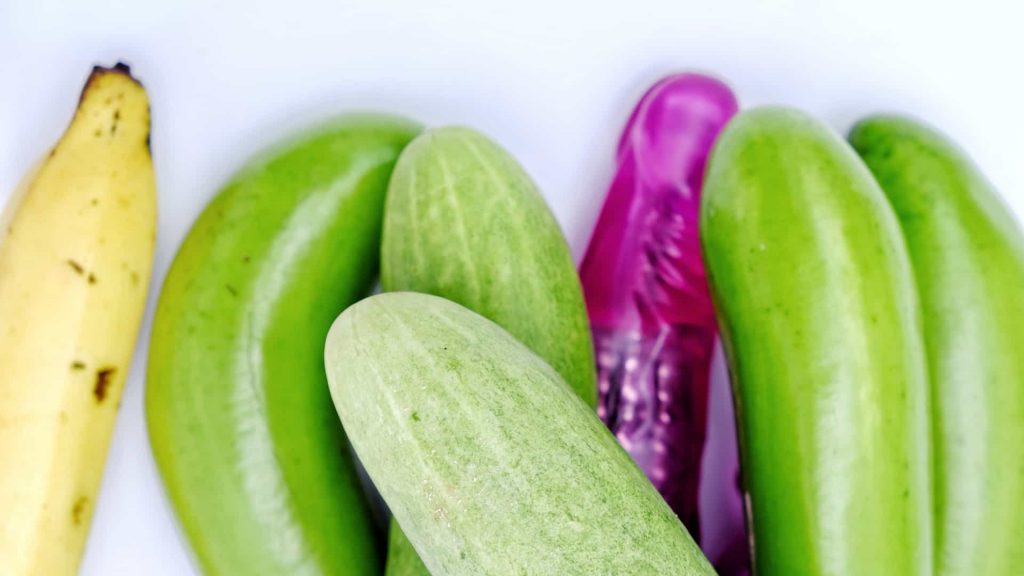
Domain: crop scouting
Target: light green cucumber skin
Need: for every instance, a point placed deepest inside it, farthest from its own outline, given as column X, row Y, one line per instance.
column 968, row 257
column 240, row 419
column 486, row 457
column 815, row 296
column 464, row 221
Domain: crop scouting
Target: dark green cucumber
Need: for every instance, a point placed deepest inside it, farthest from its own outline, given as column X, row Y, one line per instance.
column 240, row 418
column 489, row 461
column 465, row 222
column 968, row 257
column 815, row 296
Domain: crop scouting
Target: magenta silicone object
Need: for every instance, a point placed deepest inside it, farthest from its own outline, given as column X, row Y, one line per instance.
column 650, row 311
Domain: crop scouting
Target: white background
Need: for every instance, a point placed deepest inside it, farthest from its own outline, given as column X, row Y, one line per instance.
column 553, row 82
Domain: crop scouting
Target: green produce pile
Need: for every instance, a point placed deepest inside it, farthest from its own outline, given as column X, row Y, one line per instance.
column 869, row 294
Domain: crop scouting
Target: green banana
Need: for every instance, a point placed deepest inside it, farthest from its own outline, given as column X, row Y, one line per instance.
column 815, row 296
column 240, row 418
column 402, row 557
column 968, row 258
column 465, row 222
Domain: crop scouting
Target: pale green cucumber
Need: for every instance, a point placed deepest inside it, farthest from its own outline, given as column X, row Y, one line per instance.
column 489, row 461
column 815, row 296
column 968, row 257
column 465, row 222
column 240, row 418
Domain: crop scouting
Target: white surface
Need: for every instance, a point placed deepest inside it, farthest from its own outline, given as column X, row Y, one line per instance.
column 551, row 81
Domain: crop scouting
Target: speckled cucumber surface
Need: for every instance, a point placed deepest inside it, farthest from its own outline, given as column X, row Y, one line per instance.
column 489, row 461
column 464, row 221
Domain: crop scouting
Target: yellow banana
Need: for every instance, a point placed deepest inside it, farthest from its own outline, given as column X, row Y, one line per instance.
column 76, row 249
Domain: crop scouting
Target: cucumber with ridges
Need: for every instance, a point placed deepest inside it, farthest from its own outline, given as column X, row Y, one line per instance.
column 465, row 222
column 486, row 457
column 815, row 296
column 968, row 257
column 239, row 413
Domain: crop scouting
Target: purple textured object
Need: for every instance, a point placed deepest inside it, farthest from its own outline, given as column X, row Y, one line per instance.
column 647, row 297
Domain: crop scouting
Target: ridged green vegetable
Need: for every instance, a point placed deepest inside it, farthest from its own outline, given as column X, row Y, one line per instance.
column 465, row 222
column 968, row 257
column 484, row 454
column 240, row 418
column 815, row 296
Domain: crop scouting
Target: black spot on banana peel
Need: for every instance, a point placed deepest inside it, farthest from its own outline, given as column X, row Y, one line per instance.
column 104, row 376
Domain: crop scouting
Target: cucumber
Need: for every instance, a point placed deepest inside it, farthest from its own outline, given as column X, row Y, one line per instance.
column 968, row 258
column 240, row 418
column 815, row 296
column 465, row 222
column 487, row 458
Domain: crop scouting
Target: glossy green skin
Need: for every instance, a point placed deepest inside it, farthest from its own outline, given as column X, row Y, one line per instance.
column 402, row 557
column 968, row 257
column 815, row 298
column 240, row 418
column 487, row 458
column 465, row 222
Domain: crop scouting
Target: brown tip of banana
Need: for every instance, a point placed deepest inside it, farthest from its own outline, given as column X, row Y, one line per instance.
column 113, row 105
column 119, row 68
column 100, row 72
